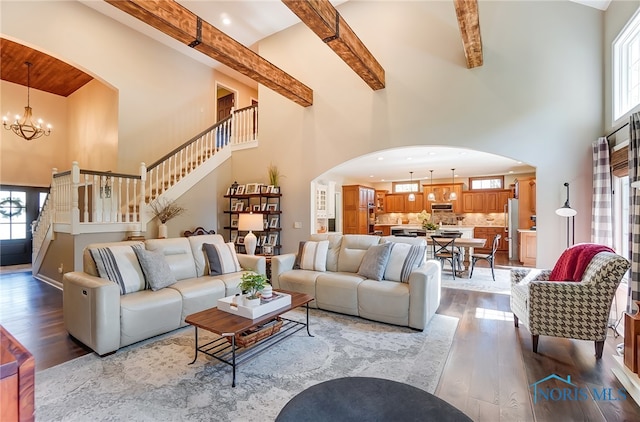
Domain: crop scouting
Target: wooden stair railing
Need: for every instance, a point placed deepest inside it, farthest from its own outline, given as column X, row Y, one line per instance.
column 79, row 197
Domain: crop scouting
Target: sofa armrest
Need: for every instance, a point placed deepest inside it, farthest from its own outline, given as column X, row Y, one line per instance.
column 280, row 264
column 91, row 311
column 424, row 294
column 529, row 274
column 254, row 263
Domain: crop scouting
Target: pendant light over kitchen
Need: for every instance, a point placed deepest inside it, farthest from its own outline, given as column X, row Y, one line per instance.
column 432, row 196
column 452, row 195
column 412, row 196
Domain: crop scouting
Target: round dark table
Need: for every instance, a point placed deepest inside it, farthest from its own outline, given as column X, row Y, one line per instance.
column 367, row 399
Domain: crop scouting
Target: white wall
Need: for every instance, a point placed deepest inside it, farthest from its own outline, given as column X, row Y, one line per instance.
column 164, row 97
column 29, row 163
column 537, row 98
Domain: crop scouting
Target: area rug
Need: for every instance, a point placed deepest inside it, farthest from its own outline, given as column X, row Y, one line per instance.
column 481, row 281
column 152, row 381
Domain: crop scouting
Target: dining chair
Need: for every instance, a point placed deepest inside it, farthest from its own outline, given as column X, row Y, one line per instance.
column 489, row 257
column 444, row 249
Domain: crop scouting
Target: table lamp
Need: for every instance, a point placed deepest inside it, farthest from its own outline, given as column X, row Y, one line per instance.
column 250, row 222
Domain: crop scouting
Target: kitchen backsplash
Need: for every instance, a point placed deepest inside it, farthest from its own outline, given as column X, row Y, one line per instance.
column 467, row 219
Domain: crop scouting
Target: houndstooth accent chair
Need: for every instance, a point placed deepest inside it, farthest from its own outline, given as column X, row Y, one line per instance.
column 577, row 310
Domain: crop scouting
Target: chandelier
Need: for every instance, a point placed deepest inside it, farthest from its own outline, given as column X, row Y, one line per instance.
column 25, row 128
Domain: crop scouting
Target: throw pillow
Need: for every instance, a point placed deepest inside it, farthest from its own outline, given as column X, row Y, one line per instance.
column 155, row 268
column 120, row 265
column 313, row 255
column 222, row 258
column 375, row 261
column 403, row 259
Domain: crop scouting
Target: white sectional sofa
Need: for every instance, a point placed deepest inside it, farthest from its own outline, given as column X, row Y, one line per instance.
column 106, row 315
column 340, row 279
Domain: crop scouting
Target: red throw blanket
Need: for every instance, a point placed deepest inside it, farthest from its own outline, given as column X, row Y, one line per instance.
column 574, row 261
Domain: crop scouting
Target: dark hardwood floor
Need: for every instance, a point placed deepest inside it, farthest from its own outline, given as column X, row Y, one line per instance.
column 487, row 375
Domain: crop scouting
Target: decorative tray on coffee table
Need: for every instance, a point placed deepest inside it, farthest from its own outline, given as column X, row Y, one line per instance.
column 233, row 305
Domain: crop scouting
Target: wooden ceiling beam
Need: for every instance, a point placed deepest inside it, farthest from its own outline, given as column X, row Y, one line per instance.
column 181, row 24
column 323, row 19
column 469, row 23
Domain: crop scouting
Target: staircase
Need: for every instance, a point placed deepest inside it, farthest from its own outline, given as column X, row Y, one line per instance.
column 87, row 201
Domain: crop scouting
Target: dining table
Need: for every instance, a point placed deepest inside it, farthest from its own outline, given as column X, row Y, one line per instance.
column 464, row 244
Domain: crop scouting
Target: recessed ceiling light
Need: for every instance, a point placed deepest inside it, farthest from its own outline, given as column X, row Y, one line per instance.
column 510, row 171
column 226, row 20
column 380, row 158
column 371, row 175
column 432, row 153
column 409, row 158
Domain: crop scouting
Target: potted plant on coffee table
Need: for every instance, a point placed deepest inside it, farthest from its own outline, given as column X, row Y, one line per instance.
column 251, row 285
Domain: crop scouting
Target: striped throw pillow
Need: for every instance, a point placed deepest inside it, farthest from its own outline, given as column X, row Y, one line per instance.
column 404, row 258
column 222, row 258
column 120, row 265
column 313, row 255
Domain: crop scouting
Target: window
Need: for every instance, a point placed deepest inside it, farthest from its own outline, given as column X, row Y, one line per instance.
column 402, row 187
column 13, row 215
column 492, row 182
column 626, row 68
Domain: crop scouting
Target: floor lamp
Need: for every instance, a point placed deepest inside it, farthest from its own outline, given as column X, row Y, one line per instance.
column 570, row 214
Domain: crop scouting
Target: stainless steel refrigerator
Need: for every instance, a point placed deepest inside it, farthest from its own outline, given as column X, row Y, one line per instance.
column 511, row 218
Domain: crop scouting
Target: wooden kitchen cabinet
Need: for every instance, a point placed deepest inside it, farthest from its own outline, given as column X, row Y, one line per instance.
column 357, row 209
column 528, row 245
column 473, row 201
column 380, row 197
column 442, row 192
column 394, row 202
column 525, row 191
column 485, row 201
column 414, row 206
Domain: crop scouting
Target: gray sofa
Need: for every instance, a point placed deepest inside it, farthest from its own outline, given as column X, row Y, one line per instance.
column 99, row 314
column 340, row 288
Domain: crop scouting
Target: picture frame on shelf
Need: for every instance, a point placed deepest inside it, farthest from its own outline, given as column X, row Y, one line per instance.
column 252, row 188
column 272, row 207
column 240, row 240
column 275, row 189
column 233, row 237
column 240, row 190
column 230, row 191
column 266, row 223
column 272, row 240
column 238, row 206
column 265, row 188
column 267, row 250
column 273, row 223
column 234, row 222
column 262, row 240
column 264, row 207
column 256, row 207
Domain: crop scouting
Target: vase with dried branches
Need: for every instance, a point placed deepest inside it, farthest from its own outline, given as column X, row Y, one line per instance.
column 165, row 209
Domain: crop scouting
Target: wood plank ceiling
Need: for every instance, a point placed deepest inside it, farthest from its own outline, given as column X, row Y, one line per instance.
column 47, row 73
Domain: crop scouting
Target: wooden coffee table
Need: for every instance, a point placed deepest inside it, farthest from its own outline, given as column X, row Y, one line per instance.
column 227, row 325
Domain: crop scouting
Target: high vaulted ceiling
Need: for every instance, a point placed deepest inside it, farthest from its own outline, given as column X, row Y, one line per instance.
column 47, row 73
